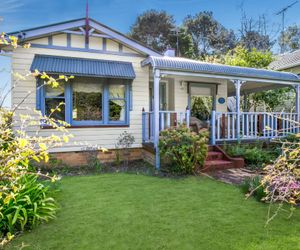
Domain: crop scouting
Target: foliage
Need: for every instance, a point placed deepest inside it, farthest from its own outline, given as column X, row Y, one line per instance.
column 240, row 56
column 153, row 28
column 30, row 205
column 289, row 40
column 209, row 36
column 91, row 153
column 185, row 43
column 23, row 200
column 124, row 142
column 201, row 107
column 185, row 150
column 255, row 155
column 253, row 185
column 282, row 178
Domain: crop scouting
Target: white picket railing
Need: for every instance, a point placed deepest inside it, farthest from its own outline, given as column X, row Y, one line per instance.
column 229, row 126
column 167, row 119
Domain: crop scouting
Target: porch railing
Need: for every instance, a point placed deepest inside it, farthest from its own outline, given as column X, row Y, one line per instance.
column 167, row 119
column 229, row 126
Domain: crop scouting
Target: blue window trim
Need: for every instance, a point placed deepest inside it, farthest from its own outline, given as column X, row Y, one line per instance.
column 41, row 96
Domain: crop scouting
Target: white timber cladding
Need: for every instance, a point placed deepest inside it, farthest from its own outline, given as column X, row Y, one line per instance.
column 106, row 136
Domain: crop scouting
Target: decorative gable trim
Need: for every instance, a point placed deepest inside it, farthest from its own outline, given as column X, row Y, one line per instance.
column 69, row 26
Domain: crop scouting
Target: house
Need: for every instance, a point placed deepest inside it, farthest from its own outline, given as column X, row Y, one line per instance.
column 122, row 85
column 287, row 62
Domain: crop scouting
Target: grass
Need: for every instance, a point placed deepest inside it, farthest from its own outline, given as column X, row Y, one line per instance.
column 126, row 211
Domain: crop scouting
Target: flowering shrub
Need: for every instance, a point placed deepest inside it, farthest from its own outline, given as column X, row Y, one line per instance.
column 24, row 200
column 281, row 179
column 185, row 150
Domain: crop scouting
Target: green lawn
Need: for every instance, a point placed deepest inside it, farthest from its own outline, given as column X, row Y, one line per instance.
column 126, row 211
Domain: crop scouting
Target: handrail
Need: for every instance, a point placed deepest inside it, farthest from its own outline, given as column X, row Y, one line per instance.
column 167, row 119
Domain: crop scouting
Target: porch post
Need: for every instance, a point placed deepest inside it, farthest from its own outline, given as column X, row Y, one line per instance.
column 297, row 90
column 156, row 76
column 238, row 84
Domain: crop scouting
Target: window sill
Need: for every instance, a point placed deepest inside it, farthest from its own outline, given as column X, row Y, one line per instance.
column 91, row 126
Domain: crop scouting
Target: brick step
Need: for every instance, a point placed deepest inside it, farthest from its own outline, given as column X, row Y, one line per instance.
column 214, row 165
column 214, row 155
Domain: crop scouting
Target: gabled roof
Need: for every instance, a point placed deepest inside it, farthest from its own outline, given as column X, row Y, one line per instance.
column 56, row 28
column 188, row 65
column 286, row 61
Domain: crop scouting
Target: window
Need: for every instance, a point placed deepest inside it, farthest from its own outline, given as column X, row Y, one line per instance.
column 89, row 101
column 54, row 98
column 117, row 102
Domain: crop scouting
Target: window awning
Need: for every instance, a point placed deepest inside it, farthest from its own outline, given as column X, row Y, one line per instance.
column 82, row 67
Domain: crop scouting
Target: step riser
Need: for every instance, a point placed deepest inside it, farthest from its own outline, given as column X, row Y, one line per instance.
column 212, row 157
column 217, row 167
column 217, row 160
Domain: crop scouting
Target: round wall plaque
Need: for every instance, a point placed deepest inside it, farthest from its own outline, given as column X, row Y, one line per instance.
column 221, row 100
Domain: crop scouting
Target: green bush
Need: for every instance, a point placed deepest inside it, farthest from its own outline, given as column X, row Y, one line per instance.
column 185, row 150
column 255, row 155
column 254, row 187
column 27, row 207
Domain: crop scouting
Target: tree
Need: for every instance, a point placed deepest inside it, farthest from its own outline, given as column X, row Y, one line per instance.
column 253, row 58
column 185, row 43
column 209, row 36
column 154, row 28
column 253, row 34
column 289, row 40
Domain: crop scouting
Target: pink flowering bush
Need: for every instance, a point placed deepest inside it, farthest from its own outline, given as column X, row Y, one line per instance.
column 281, row 180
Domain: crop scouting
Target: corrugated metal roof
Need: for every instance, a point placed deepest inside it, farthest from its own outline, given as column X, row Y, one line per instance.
column 82, row 67
column 183, row 64
column 285, row 61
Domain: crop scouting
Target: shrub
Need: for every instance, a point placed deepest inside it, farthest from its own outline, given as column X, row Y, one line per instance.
column 252, row 185
column 124, row 143
column 255, row 155
column 185, row 150
column 24, row 209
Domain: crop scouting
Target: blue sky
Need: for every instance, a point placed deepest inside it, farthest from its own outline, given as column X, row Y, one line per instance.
column 120, row 14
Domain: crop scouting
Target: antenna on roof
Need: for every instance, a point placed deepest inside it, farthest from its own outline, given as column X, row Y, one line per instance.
column 87, row 22
column 282, row 12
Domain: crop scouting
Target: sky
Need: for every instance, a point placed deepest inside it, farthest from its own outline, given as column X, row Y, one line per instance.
column 120, row 14
column 16, row 15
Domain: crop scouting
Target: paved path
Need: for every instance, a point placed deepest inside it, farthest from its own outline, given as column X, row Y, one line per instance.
column 232, row 176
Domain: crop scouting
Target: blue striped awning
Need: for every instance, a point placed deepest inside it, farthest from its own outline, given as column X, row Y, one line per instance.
column 188, row 65
column 82, row 67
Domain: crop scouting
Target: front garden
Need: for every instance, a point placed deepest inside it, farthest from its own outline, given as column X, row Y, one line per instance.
column 128, row 211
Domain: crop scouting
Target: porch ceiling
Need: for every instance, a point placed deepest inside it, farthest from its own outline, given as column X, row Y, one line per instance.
column 188, row 67
column 253, row 87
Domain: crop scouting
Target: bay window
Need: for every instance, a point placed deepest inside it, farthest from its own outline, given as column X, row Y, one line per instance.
column 88, row 101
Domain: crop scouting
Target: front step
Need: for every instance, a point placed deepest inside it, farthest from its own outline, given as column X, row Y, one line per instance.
column 214, row 165
column 214, row 155
column 217, row 159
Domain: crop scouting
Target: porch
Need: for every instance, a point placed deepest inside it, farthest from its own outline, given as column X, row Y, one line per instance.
column 219, row 82
column 227, row 126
